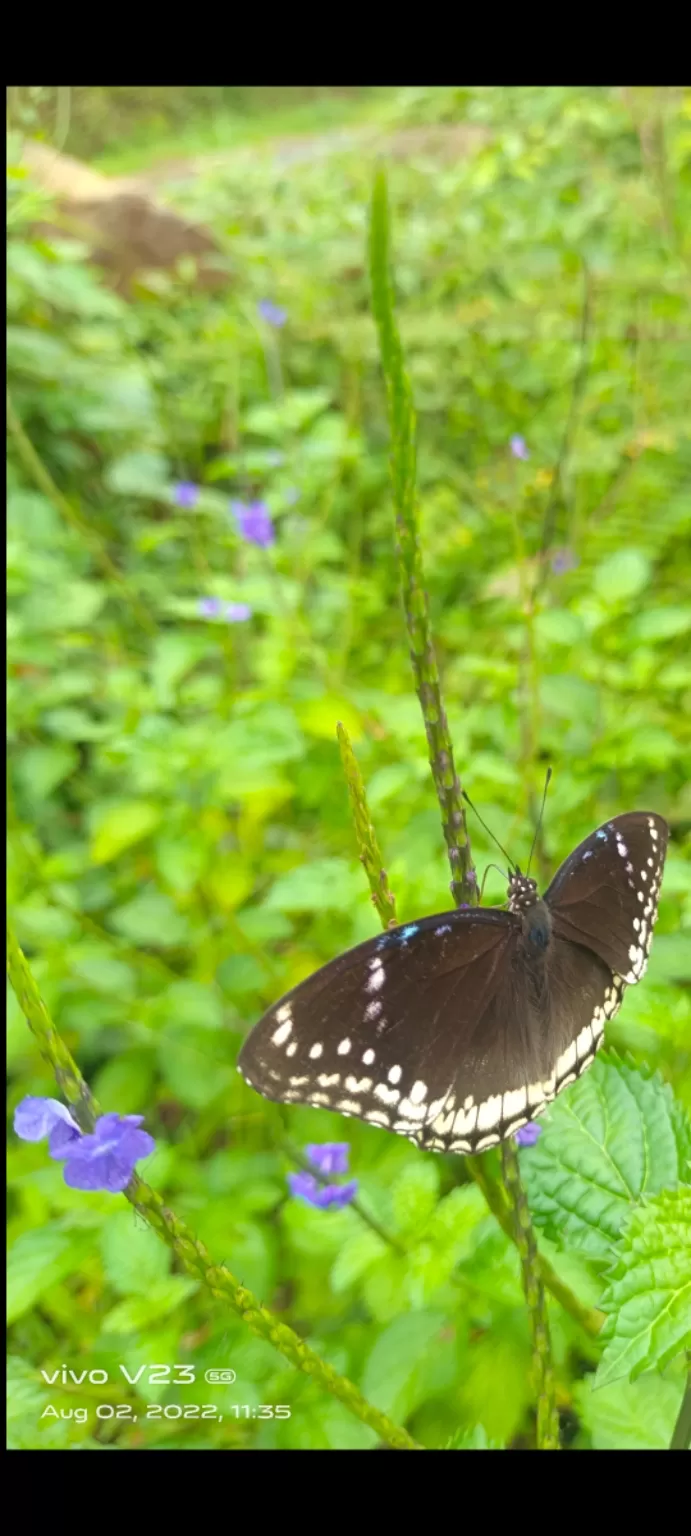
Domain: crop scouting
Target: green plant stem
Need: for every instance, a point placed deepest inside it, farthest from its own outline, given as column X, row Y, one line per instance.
column 43, row 480
column 681, row 1439
column 370, row 856
column 524, row 1238
column 188, row 1250
column 590, row 1319
column 370, row 1221
column 463, row 881
column 415, row 604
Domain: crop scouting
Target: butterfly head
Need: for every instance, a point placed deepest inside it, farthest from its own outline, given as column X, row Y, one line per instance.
column 525, row 902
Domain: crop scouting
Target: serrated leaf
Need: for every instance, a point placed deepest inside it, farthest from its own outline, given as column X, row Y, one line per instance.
column 606, row 1142
column 649, row 1290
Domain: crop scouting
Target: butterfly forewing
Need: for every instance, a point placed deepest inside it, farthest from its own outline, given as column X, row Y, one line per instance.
column 605, row 894
column 384, row 1031
column 456, row 1029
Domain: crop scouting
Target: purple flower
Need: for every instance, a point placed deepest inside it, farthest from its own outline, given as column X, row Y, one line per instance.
column 233, row 613
column 186, row 494
column 272, row 313
column 329, row 1157
column 254, row 522
column 236, row 613
column 37, row 1118
column 210, row 607
column 564, row 560
column 528, row 1134
column 519, row 447
column 106, row 1159
column 103, row 1160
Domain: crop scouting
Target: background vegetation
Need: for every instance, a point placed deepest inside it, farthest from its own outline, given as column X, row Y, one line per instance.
column 181, row 849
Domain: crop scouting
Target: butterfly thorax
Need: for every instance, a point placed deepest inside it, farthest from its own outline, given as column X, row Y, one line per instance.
column 535, row 915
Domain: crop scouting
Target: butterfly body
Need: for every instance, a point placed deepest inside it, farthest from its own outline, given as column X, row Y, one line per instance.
column 457, row 1029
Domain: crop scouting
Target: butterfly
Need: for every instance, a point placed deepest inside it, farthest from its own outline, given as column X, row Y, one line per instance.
column 456, row 1030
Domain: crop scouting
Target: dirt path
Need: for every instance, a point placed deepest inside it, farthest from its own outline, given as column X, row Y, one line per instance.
column 444, row 142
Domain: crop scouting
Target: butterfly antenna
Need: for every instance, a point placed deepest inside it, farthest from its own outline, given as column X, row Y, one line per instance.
column 490, row 834
column 539, row 819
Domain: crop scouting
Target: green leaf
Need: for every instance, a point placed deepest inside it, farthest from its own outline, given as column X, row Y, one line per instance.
column 42, row 1257
column 151, row 918
column 324, row 885
column 622, row 575
column 475, row 1439
column 134, row 1258
column 119, row 826
column 670, row 957
column 139, row 1312
column 290, row 414
column 355, row 1258
column 629, row 1416
column 400, row 1365
column 41, row 769
column 414, row 1194
column 188, row 1002
column 607, row 1141
column 649, row 1289
column 662, row 623
column 196, row 1064
column 139, row 474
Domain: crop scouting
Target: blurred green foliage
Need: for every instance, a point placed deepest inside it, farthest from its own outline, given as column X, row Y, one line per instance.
column 180, row 844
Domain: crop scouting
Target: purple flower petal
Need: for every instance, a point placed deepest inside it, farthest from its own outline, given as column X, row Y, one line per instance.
column 106, row 1159
column 329, row 1156
column 519, row 447
column 272, row 313
column 236, row 613
column 254, row 522
column 564, row 560
column 528, row 1134
column 210, row 607
column 320, row 1196
column 36, row 1118
column 186, row 494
